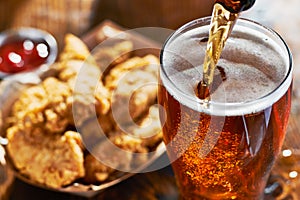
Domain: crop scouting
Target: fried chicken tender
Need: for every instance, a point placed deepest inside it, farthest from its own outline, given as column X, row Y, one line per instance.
column 80, row 70
column 133, row 85
column 146, row 133
column 136, row 140
column 51, row 160
column 113, row 55
column 110, row 158
column 115, row 74
column 74, row 49
column 149, row 131
column 45, row 106
column 96, row 171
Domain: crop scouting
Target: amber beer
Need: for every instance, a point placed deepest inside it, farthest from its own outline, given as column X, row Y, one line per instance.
column 225, row 147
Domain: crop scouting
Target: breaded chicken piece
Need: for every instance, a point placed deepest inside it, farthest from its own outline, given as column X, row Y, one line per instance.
column 80, row 70
column 51, row 160
column 149, row 130
column 115, row 74
column 109, row 159
column 136, row 140
column 133, row 85
column 146, row 133
column 96, row 172
column 74, row 49
column 46, row 106
column 108, row 56
column 123, row 152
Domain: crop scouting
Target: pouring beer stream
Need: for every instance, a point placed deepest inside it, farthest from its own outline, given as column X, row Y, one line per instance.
column 225, row 13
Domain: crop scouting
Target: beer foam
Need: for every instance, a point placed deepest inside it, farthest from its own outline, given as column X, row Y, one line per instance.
column 253, row 63
column 244, row 83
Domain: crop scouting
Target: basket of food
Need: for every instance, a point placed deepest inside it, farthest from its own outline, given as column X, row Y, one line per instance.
column 91, row 120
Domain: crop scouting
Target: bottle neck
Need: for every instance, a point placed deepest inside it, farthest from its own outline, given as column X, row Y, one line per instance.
column 236, row 6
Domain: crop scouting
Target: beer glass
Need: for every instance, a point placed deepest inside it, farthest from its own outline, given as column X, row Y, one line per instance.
column 225, row 147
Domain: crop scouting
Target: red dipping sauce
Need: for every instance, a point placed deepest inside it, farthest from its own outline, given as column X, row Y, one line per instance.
column 20, row 53
column 26, row 50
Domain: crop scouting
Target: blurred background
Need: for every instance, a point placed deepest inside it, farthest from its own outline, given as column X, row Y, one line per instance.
column 78, row 16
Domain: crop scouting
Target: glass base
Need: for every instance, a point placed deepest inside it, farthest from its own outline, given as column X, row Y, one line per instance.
column 284, row 182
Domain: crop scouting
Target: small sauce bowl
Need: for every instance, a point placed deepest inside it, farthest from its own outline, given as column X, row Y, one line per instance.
column 24, row 50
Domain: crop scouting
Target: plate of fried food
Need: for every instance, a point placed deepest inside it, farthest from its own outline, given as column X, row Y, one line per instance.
column 91, row 120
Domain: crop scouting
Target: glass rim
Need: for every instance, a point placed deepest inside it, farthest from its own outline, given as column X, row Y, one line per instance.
column 232, row 108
